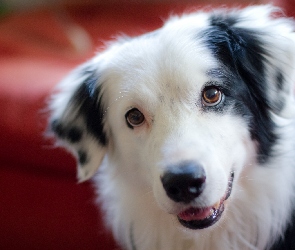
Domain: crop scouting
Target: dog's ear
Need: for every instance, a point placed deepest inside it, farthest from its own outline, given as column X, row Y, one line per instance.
column 280, row 72
column 261, row 49
column 77, row 119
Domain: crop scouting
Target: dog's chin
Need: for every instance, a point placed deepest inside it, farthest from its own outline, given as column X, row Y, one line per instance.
column 204, row 217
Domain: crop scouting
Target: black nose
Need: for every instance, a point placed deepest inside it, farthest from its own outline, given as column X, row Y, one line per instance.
column 184, row 182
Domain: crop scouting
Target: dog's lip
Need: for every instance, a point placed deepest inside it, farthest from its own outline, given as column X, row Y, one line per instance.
column 203, row 217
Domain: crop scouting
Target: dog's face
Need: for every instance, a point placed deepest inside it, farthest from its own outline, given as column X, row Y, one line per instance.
column 181, row 111
column 173, row 123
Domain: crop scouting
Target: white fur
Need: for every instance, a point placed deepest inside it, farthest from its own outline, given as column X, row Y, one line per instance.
column 163, row 77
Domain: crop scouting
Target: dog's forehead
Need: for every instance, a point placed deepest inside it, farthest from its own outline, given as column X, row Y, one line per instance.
column 162, row 64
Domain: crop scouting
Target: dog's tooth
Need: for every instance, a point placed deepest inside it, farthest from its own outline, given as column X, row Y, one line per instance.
column 216, row 205
column 211, row 212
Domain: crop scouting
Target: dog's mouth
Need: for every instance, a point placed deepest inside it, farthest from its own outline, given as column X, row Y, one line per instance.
column 200, row 218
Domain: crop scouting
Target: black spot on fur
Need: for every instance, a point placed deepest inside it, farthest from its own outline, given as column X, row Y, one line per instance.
column 74, row 134
column 280, row 81
column 58, row 129
column 88, row 100
column 82, row 157
column 242, row 58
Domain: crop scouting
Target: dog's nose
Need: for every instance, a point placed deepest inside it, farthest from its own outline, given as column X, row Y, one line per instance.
column 184, row 182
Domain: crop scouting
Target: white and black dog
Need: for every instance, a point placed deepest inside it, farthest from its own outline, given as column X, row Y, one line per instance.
column 193, row 129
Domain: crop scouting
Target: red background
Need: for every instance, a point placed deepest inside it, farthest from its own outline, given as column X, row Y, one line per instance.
column 41, row 205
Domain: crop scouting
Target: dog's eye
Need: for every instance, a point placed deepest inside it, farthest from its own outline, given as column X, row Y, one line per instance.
column 211, row 96
column 134, row 118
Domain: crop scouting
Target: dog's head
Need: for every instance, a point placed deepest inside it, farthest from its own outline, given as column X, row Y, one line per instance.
column 184, row 109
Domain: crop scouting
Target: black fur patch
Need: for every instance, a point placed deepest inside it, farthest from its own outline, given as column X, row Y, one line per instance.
column 280, row 81
column 82, row 157
column 72, row 134
column 242, row 72
column 88, row 101
column 58, row 129
column 75, row 134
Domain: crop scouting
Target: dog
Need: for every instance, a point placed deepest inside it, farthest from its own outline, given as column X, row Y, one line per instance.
column 188, row 131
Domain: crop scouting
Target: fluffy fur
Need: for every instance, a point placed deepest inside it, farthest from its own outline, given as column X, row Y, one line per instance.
column 139, row 111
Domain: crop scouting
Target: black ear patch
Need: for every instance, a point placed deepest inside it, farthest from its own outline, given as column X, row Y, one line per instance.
column 242, row 59
column 71, row 134
column 82, row 157
column 85, row 103
column 75, row 134
column 88, row 100
column 58, row 129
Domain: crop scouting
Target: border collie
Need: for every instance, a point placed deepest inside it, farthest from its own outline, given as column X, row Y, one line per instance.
column 190, row 130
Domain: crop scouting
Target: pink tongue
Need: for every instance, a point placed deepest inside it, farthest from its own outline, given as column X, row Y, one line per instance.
column 195, row 214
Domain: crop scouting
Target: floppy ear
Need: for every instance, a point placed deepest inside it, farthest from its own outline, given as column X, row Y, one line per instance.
column 77, row 119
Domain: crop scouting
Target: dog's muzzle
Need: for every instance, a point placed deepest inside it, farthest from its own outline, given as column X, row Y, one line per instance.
column 184, row 183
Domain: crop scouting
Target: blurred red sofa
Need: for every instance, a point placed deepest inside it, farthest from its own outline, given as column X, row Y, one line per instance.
column 41, row 204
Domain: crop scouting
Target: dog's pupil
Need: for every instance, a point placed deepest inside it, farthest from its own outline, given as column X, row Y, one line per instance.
column 211, row 95
column 135, row 117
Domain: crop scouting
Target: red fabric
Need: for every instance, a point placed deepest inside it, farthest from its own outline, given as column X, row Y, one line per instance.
column 287, row 5
column 41, row 206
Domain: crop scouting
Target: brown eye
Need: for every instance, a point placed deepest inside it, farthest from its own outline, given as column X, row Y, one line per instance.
column 134, row 118
column 211, row 96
